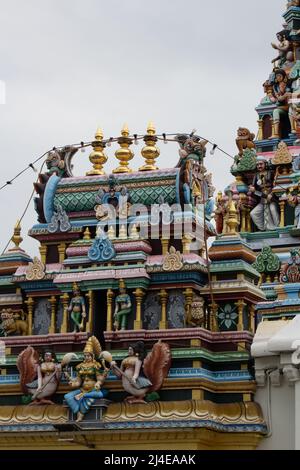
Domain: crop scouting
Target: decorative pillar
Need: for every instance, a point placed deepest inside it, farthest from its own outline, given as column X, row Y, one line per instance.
column 62, row 252
column 213, row 317
column 248, row 221
column 260, row 135
column 65, row 302
column 252, row 318
column 163, row 324
column 186, row 242
column 109, row 317
column 30, row 303
column 282, row 213
column 240, row 305
column 89, row 324
column 165, row 246
column 52, row 301
column 244, row 220
column 188, row 294
column 43, row 253
column 139, row 294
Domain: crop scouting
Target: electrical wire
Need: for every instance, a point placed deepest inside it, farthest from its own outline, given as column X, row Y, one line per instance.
column 135, row 138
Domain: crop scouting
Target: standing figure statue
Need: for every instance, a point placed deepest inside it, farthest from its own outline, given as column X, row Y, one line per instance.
column 281, row 95
column 123, row 308
column 266, row 214
column 40, row 376
column 142, row 374
column 294, row 201
column 77, row 309
column 283, row 47
column 91, row 375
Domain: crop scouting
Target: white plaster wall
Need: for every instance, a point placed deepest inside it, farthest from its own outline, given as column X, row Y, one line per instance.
column 282, row 416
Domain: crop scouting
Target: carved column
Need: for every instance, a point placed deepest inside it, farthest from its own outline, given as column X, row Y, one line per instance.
column 30, row 303
column 65, row 302
column 186, row 242
column 248, row 221
column 260, row 135
column 244, row 220
column 139, row 294
column 188, row 294
column 62, row 252
column 163, row 324
column 252, row 318
column 213, row 317
column 109, row 318
column 282, row 213
column 89, row 323
column 52, row 301
column 165, row 245
column 43, row 253
column 240, row 305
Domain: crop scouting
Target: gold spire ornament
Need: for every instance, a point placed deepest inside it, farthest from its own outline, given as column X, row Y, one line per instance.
column 150, row 152
column 232, row 221
column 16, row 238
column 97, row 157
column 124, row 154
column 87, row 234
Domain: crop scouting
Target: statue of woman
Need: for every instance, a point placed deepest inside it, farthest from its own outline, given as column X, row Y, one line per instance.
column 91, row 376
column 140, row 374
column 77, row 309
column 39, row 377
column 294, row 201
column 123, row 308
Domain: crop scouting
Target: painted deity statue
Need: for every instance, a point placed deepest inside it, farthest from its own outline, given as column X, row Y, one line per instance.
column 39, row 376
column 77, row 309
column 142, row 374
column 294, row 201
column 266, row 214
column 281, row 95
column 123, row 308
column 283, row 47
column 91, row 375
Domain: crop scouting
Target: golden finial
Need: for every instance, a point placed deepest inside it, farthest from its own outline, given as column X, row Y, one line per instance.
column 150, row 152
column 111, row 232
column 87, row 234
column 16, row 238
column 232, row 221
column 98, row 157
column 151, row 130
column 124, row 154
column 134, row 234
column 125, row 131
column 123, row 233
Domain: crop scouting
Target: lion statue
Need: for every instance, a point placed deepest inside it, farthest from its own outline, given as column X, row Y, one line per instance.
column 13, row 322
column 244, row 140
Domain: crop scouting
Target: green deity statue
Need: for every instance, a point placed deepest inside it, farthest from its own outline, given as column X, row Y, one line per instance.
column 77, row 309
column 123, row 308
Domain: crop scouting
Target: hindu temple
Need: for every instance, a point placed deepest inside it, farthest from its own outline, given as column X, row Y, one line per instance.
column 161, row 313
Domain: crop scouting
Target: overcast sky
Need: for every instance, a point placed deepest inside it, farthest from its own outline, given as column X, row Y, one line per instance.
column 71, row 65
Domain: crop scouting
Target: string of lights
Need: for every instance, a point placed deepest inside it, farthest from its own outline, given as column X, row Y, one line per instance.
column 107, row 142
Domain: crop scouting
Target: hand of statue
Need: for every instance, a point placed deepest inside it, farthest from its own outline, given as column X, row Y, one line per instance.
column 252, row 189
column 270, row 197
column 97, row 386
column 113, row 364
column 274, row 46
column 83, row 314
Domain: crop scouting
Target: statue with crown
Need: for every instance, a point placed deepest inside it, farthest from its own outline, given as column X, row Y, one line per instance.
column 123, row 308
column 91, row 375
column 77, row 309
